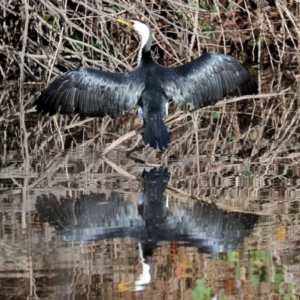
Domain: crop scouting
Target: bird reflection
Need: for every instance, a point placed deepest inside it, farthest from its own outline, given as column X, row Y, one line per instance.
column 96, row 217
column 153, row 203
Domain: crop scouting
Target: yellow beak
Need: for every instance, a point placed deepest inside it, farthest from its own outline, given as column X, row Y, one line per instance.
column 125, row 22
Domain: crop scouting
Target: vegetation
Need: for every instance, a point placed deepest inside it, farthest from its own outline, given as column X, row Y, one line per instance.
column 242, row 154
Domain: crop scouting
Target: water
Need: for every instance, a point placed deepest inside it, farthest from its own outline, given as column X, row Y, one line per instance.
column 75, row 228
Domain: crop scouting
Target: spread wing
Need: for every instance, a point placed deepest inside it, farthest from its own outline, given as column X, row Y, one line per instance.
column 208, row 79
column 91, row 92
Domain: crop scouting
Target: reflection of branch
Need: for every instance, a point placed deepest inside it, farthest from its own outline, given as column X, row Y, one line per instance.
column 176, row 192
column 53, row 165
column 210, row 200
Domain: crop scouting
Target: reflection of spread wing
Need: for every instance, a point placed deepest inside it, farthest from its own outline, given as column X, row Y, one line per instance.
column 91, row 92
column 208, row 79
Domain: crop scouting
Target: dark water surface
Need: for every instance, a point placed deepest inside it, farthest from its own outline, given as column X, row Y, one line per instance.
column 197, row 229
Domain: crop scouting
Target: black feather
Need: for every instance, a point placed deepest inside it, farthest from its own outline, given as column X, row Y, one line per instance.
column 208, row 79
column 90, row 92
column 156, row 134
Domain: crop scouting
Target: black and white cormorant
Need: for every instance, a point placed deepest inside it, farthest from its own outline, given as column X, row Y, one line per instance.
column 150, row 86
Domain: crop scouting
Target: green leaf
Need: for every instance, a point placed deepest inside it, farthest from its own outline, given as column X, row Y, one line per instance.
column 205, row 26
column 202, row 4
column 191, row 3
column 201, row 292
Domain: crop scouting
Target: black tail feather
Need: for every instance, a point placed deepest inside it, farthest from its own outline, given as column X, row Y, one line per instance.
column 156, row 134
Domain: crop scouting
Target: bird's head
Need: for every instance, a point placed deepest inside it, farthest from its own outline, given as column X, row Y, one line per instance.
column 140, row 27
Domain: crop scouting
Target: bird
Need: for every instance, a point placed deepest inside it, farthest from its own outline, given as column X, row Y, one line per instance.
column 149, row 86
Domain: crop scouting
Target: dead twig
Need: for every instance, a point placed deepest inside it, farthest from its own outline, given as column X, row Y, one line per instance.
column 118, row 168
column 120, row 140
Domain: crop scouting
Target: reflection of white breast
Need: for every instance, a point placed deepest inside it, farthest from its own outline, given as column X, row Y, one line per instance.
column 145, row 277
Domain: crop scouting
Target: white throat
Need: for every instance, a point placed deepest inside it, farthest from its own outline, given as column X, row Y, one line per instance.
column 144, row 32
